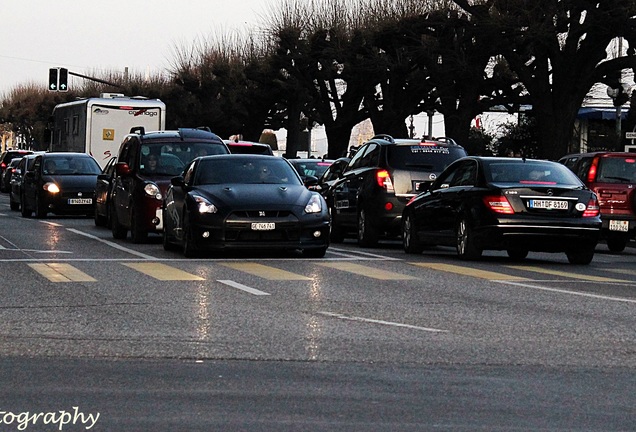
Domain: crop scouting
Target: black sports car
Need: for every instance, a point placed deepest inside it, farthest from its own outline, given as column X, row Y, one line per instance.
column 243, row 202
column 517, row 205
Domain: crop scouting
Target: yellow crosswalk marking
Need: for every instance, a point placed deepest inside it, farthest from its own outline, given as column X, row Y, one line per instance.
column 565, row 274
column 366, row 271
column 56, row 272
column 265, row 272
column 467, row 271
column 163, row 272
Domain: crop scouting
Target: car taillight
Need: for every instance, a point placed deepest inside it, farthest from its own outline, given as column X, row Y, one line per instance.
column 592, row 209
column 591, row 174
column 498, row 204
column 3, row 165
column 384, row 180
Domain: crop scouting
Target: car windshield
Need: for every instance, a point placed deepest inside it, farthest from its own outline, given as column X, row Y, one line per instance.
column 310, row 168
column 423, row 157
column 169, row 158
column 530, row 172
column 617, row 170
column 245, row 171
column 70, row 165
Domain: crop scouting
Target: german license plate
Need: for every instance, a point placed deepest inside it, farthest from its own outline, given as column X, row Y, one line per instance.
column 73, row 201
column 263, row 226
column 618, row 225
column 549, row 204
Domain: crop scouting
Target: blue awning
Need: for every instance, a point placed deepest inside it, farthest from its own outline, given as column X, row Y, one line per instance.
column 592, row 113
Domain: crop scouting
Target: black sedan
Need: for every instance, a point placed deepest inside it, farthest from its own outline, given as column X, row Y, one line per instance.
column 243, row 202
column 517, row 205
column 61, row 183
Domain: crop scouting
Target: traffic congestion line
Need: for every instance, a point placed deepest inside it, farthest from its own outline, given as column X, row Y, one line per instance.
column 59, row 272
column 468, row 271
column 162, row 272
column 570, row 275
column 366, row 271
column 375, row 321
column 265, row 272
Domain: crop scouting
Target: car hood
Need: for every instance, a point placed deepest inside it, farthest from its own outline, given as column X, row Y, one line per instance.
column 249, row 196
column 73, row 182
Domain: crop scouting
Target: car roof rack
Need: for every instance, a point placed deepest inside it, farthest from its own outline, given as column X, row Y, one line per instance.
column 385, row 137
column 446, row 140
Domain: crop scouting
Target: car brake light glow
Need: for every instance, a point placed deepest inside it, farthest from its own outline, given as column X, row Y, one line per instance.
column 630, row 160
column 428, row 143
column 384, row 179
column 591, row 174
column 388, row 206
column 498, row 204
column 592, row 209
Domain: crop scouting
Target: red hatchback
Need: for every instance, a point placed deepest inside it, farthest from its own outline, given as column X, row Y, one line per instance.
column 612, row 176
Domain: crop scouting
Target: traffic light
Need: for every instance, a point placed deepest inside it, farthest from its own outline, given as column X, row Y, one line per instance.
column 53, row 75
column 62, row 82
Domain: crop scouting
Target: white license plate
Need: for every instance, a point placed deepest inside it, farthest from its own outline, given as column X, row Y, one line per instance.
column 549, row 204
column 80, row 201
column 263, row 226
column 618, row 225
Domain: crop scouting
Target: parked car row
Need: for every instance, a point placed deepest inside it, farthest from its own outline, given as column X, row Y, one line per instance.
column 188, row 186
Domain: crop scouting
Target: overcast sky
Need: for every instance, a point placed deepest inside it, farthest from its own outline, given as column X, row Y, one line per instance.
column 88, row 36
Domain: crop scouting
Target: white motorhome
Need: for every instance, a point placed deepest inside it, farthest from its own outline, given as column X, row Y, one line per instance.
column 97, row 126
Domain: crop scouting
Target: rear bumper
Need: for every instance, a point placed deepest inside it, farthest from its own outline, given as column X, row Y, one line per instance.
column 537, row 237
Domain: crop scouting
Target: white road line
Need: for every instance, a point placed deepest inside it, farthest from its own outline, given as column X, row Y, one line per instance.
column 374, row 321
column 356, row 253
column 51, row 223
column 112, row 244
column 561, row 291
column 243, row 287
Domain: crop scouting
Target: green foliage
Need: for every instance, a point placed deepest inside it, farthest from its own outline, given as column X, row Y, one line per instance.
column 519, row 139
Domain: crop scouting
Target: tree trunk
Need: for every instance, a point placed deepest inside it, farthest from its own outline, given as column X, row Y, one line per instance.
column 338, row 137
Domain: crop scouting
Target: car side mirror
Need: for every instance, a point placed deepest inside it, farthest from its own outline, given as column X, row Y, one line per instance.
column 177, row 181
column 310, row 180
column 122, row 169
column 29, row 174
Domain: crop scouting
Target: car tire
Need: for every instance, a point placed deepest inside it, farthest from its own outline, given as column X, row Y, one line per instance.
column 119, row 231
column 15, row 206
column 24, row 208
column 168, row 244
column 138, row 233
column 315, row 253
column 367, row 234
column 100, row 220
column 410, row 241
column 189, row 249
column 581, row 256
column 40, row 209
column 616, row 244
column 466, row 247
column 336, row 233
column 517, row 254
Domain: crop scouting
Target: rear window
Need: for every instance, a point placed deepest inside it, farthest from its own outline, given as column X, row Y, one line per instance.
column 428, row 157
column 530, row 173
column 244, row 148
column 617, row 170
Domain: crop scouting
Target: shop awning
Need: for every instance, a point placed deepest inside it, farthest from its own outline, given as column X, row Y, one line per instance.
column 598, row 113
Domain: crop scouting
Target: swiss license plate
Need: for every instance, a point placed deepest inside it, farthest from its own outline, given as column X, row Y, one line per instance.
column 73, row 201
column 549, row 204
column 618, row 225
column 263, row 226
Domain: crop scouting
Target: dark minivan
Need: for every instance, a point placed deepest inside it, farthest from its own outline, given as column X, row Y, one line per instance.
column 612, row 176
column 383, row 175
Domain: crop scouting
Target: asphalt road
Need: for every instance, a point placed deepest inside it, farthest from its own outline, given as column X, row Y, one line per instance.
column 364, row 339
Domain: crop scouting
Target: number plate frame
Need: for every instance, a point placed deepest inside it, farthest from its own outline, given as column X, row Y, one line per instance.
column 263, row 226
column 543, row 204
column 618, row 225
column 80, row 201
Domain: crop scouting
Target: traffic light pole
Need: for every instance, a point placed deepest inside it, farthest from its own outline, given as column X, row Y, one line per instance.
column 58, row 79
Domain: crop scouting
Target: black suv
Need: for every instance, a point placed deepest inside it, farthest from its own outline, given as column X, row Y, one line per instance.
column 5, row 159
column 383, row 175
column 612, row 176
column 145, row 164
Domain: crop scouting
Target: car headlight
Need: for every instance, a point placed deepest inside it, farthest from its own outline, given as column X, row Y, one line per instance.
column 314, row 205
column 204, row 205
column 153, row 190
column 51, row 188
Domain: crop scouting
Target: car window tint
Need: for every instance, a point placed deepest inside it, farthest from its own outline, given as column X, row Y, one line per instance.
column 617, row 170
column 530, row 172
column 245, row 171
column 466, row 175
